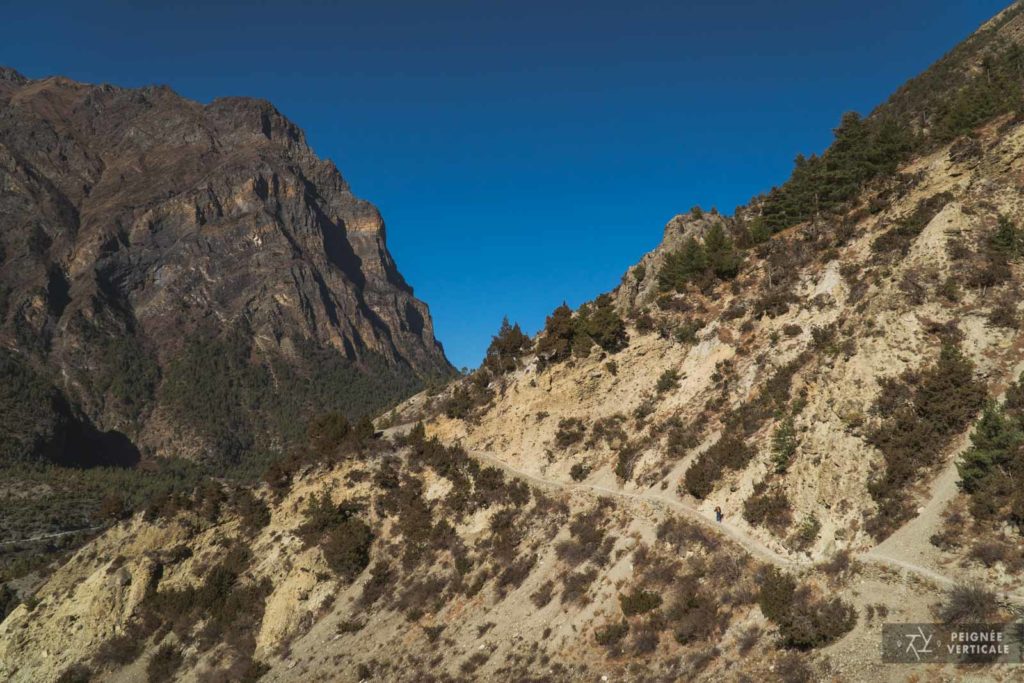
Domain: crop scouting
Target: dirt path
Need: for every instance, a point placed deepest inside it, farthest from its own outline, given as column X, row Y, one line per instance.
column 905, row 551
column 55, row 535
column 749, row 543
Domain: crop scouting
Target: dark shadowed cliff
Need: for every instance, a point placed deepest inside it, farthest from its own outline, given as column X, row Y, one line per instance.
column 185, row 279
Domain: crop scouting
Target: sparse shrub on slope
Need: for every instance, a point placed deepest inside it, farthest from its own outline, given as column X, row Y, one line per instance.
column 897, row 240
column 668, row 381
column 164, row 663
column 343, row 538
column 639, row 602
column 968, row 604
column 608, row 431
column 784, row 443
column 77, row 673
column 992, row 469
column 571, row 430
column 768, row 507
column 943, row 400
column 728, row 453
column 804, row 621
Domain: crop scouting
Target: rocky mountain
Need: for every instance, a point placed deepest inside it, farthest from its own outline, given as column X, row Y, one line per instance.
column 185, row 279
column 785, row 428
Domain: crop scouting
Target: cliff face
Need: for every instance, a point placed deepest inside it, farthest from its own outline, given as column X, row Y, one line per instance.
column 135, row 221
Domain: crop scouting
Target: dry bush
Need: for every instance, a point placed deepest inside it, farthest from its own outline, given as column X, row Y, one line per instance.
column 542, row 596
column 769, row 508
column 639, row 602
column 571, row 430
column 804, row 622
column 682, row 533
column 968, row 604
column 576, row 584
column 729, row 452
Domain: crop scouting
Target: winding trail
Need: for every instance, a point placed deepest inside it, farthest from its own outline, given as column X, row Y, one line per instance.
column 54, row 535
column 748, row 542
column 903, row 552
column 886, row 555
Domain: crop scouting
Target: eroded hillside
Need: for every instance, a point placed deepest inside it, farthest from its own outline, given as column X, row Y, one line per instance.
column 835, row 368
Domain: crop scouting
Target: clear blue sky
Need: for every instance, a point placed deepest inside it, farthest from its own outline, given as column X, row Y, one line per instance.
column 521, row 152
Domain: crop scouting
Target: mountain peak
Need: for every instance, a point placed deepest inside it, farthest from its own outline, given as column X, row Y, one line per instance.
column 9, row 74
column 177, row 231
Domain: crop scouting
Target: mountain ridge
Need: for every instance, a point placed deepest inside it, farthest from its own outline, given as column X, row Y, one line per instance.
column 139, row 216
column 784, row 430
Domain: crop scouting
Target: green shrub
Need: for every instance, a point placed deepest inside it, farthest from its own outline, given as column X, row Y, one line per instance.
column 728, row 453
column 343, row 538
column 992, row 469
column 668, row 381
column 784, row 445
column 686, row 331
column 804, row 622
column 639, row 602
column 571, row 430
column 611, row 634
column 944, row 399
column 625, row 460
column 769, row 508
column 579, row 472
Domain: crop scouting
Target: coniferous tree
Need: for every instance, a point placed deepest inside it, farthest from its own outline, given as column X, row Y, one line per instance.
column 722, row 257
column 682, row 266
column 506, row 347
column 605, row 326
column 556, row 342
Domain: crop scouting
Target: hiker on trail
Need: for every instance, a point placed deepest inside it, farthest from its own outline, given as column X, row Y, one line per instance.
column 718, row 514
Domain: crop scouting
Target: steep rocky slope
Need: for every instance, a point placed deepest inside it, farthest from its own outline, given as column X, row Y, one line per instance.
column 180, row 272
column 836, row 367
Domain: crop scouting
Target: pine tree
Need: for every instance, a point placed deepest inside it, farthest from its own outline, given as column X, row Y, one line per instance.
column 722, row 257
column 994, row 444
column 683, row 266
column 506, row 347
column 1007, row 238
column 556, row 343
column 605, row 326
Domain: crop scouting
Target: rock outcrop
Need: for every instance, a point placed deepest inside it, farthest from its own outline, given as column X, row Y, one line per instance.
column 134, row 222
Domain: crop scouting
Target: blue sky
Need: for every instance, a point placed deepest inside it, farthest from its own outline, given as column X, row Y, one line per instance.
column 522, row 153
